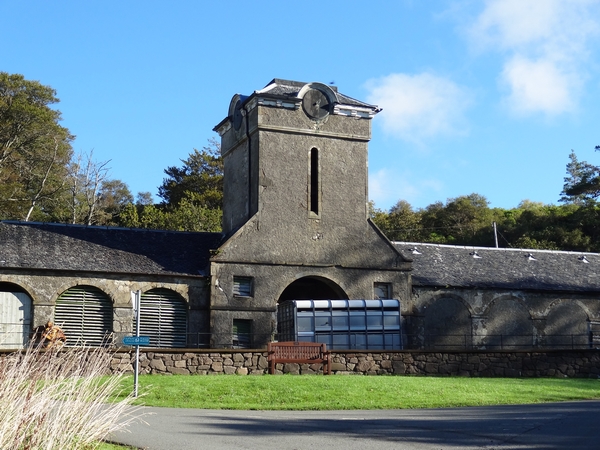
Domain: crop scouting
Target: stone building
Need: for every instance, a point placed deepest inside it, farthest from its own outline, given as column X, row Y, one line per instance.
column 295, row 207
column 295, row 226
column 469, row 297
column 82, row 277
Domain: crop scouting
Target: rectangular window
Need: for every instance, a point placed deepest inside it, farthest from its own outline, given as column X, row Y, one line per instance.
column 382, row 291
column 241, row 333
column 242, row 286
column 314, row 182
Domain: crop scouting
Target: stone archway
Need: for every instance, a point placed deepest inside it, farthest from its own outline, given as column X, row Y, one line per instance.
column 85, row 313
column 163, row 317
column 508, row 325
column 567, row 326
column 447, row 324
column 312, row 288
column 15, row 316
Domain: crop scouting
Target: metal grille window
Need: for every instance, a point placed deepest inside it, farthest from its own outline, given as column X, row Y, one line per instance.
column 242, row 331
column 242, row 286
column 85, row 314
column 163, row 317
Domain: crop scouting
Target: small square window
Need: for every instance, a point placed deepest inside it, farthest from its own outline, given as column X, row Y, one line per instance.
column 382, row 291
column 242, row 286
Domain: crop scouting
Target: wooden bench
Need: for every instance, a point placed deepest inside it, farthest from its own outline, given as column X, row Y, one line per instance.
column 299, row 353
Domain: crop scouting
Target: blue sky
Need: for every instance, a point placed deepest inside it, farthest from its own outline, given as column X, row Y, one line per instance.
column 478, row 96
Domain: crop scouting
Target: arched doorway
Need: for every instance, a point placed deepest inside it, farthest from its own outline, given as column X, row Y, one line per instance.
column 15, row 316
column 306, row 288
column 312, row 288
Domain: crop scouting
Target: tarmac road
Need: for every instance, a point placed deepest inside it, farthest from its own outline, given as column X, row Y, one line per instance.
column 569, row 425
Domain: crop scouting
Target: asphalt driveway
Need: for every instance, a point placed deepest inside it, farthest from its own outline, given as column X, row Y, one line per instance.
column 569, row 425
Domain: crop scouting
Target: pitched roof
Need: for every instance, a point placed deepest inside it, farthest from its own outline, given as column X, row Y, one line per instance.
column 287, row 88
column 280, row 92
column 103, row 249
column 482, row 267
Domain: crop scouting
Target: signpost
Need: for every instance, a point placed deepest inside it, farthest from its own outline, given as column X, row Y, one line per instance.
column 136, row 340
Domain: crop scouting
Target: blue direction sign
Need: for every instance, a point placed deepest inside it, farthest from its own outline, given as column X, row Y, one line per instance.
column 136, row 340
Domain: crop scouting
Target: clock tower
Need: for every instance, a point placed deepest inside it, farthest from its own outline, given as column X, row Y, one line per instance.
column 295, row 210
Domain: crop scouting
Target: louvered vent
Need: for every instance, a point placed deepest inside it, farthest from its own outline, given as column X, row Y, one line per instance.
column 85, row 314
column 242, row 286
column 163, row 318
column 242, row 333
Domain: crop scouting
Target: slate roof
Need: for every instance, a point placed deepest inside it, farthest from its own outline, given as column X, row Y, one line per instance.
column 103, row 249
column 500, row 268
column 290, row 89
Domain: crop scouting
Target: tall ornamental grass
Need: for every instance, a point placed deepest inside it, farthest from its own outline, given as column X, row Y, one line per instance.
column 57, row 399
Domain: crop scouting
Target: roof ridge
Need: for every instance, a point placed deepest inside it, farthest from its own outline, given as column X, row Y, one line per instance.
column 473, row 247
column 103, row 227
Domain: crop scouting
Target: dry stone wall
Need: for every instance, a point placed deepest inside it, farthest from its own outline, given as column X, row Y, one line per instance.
column 574, row 363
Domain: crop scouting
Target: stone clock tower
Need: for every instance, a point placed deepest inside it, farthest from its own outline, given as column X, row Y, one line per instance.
column 295, row 210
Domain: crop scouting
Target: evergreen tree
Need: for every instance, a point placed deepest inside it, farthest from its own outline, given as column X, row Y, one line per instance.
column 582, row 183
column 34, row 149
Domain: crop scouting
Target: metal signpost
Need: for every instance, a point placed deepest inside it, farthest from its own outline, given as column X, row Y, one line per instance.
column 136, row 340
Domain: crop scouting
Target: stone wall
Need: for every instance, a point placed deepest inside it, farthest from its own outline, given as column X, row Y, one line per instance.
column 574, row 363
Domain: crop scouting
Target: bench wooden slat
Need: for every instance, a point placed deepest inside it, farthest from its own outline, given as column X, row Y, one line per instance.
column 299, row 353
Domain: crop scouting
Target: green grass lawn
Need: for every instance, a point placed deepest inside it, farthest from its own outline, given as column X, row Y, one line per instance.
column 293, row 392
column 108, row 446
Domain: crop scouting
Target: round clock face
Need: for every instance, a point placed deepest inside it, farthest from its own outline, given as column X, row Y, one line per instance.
column 315, row 104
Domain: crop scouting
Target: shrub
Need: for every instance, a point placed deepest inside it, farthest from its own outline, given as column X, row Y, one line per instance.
column 58, row 399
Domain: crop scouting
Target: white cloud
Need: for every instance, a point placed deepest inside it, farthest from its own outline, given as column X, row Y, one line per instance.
column 416, row 107
column 513, row 23
column 387, row 187
column 545, row 46
column 539, row 86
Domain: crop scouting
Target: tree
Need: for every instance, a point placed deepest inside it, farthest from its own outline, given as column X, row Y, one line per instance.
column 463, row 220
column 401, row 223
column 582, row 183
column 192, row 196
column 85, row 180
column 201, row 174
column 187, row 216
column 34, row 148
column 113, row 197
column 144, row 198
column 569, row 227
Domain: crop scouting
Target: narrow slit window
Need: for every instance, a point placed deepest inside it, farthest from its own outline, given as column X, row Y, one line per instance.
column 314, row 181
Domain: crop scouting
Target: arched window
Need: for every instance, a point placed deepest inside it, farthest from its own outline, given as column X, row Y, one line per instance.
column 85, row 314
column 163, row 317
